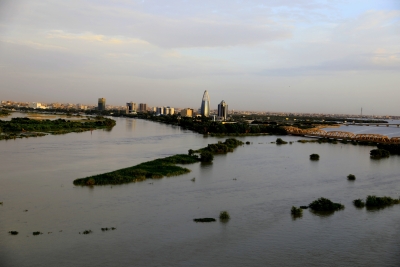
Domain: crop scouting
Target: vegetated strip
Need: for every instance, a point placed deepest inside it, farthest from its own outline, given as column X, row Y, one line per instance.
column 159, row 168
column 25, row 127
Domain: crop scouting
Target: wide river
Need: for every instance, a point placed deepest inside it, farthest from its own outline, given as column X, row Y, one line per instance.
column 257, row 184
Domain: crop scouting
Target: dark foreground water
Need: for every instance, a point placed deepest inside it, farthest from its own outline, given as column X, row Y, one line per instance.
column 257, row 184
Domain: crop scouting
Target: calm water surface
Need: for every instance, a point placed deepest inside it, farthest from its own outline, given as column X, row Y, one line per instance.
column 154, row 218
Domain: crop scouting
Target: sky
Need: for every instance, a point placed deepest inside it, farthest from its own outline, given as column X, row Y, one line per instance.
column 316, row 56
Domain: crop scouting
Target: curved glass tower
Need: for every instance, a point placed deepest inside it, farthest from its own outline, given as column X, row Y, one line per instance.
column 205, row 105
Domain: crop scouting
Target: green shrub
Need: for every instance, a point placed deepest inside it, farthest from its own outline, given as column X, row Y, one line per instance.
column 351, row 177
column 380, row 202
column 324, row 204
column 314, row 157
column 224, row 215
column 279, row 141
column 206, row 156
column 359, row 203
column 296, row 211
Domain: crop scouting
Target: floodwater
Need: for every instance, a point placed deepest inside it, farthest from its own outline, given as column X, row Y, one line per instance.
column 257, row 184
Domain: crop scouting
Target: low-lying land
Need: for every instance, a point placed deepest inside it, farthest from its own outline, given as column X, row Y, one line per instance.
column 25, row 127
column 159, row 168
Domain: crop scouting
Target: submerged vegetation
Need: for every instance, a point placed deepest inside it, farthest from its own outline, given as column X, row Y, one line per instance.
column 204, row 220
column 314, row 157
column 224, row 215
column 25, row 127
column 324, row 204
column 379, row 153
column 279, row 141
column 159, row 168
column 296, row 211
column 13, row 232
column 359, row 203
column 380, row 202
column 351, row 177
column 37, row 233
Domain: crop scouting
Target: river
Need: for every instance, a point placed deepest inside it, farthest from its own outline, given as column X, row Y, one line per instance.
column 257, row 184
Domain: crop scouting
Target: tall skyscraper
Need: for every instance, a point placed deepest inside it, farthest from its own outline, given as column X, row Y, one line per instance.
column 101, row 104
column 223, row 110
column 205, row 105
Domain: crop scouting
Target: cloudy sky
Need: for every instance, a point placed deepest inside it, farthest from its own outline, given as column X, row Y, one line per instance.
column 271, row 55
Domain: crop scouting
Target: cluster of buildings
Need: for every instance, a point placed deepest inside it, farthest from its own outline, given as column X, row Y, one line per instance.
column 205, row 110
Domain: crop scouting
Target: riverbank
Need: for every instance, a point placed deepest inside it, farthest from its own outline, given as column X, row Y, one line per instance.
column 25, row 127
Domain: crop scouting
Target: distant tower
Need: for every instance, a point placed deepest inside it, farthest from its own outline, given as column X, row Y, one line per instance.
column 205, row 105
column 143, row 107
column 223, row 110
column 101, row 104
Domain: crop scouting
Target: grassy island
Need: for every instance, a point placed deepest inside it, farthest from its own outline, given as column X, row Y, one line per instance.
column 4, row 113
column 159, row 168
column 25, row 127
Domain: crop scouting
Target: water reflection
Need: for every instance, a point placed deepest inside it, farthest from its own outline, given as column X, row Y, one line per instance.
column 130, row 125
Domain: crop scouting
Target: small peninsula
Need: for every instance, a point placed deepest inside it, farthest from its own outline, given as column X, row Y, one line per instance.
column 159, row 168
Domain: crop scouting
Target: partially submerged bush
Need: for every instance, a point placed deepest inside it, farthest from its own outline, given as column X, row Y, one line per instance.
column 37, row 233
column 206, row 156
column 86, row 232
column 224, row 215
column 359, row 203
column 296, row 211
column 351, row 177
column 304, row 207
column 324, row 204
column 314, row 157
column 204, row 220
column 13, row 232
column 380, row 202
column 379, row 153
column 247, row 143
column 279, row 141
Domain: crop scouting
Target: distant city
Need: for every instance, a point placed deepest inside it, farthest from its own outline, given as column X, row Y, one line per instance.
column 220, row 113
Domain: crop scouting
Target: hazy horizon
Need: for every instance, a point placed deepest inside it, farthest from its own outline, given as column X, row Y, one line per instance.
column 284, row 56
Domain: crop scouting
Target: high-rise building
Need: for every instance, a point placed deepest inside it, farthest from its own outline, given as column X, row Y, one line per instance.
column 187, row 112
column 205, row 105
column 130, row 107
column 101, row 104
column 223, row 110
column 143, row 107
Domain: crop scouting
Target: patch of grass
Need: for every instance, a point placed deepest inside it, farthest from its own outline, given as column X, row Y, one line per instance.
column 159, row 168
column 152, row 169
column 204, row 220
column 224, row 215
column 351, row 177
column 314, row 157
column 296, row 211
column 359, row 203
column 324, row 204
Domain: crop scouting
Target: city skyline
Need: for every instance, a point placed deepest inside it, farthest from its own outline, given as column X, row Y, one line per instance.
column 302, row 56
